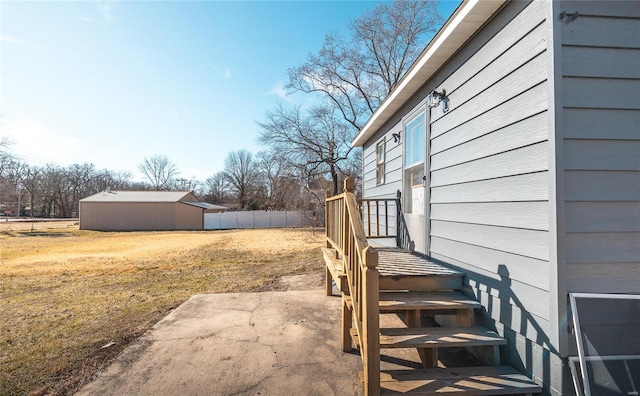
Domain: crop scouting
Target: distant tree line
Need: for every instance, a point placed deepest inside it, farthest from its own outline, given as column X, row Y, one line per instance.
column 248, row 182
column 307, row 148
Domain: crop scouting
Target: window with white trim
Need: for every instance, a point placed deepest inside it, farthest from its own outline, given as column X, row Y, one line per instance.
column 380, row 158
column 414, row 160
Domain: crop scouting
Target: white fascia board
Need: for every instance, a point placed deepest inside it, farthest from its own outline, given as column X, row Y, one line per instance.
column 463, row 24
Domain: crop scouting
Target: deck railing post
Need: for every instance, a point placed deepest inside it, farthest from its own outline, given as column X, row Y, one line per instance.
column 398, row 221
column 386, row 218
column 328, row 224
column 360, row 300
column 371, row 322
column 368, row 218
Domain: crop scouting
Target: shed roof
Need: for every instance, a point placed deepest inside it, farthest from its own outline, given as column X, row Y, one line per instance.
column 460, row 27
column 137, row 196
column 205, row 205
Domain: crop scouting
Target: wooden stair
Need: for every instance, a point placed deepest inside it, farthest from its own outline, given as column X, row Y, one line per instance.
column 466, row 381
column 412, row 286
column 386, row 295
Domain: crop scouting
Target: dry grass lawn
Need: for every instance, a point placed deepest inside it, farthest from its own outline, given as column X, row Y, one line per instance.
column 66, row 293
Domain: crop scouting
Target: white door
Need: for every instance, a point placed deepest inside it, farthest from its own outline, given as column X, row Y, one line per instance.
column 415, row 194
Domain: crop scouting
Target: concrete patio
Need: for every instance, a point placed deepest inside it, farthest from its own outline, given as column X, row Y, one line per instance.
column 271, row 343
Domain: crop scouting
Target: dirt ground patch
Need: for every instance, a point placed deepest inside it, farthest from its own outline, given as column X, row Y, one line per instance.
column 72, row 299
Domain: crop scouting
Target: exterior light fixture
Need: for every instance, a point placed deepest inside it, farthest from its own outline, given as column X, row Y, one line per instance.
column 435, row 98
column 564, row 17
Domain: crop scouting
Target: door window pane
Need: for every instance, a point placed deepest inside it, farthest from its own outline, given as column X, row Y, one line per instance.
column 414, row 132
column 380, row 163
column 414, row 176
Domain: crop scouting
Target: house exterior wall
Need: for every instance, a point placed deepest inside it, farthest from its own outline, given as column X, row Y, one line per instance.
column 488, row 175
column 392, row 176
column 601, row 146
column 489, row 180
column 597, row 140
column 534, row 171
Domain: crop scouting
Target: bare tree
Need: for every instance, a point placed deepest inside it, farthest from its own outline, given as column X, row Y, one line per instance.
column 279, row 177
column 183, row 184
column 115, row 180
column 6, row 159
column 240, row 171
column 316, row 141
column 217, row 187
column 159, row 170
column 357, row 74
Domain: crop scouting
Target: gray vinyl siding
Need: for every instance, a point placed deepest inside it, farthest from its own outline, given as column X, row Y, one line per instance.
column 489, row 169
column 392, row 179
column 601, row 146
column 489, row 178
column 534, row 172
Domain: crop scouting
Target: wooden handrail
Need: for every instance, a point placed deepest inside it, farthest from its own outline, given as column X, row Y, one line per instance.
column 379, row 210
column 345, row 233
column 376, row 211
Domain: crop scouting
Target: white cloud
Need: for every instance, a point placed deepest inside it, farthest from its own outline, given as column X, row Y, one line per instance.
column 279, row 90
column 13, row 40
column 20, row 42
column 35, row 142
column 107, row 9
column 226, row 74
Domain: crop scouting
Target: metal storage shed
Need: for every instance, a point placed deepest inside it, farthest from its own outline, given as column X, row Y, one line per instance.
column 143, row 210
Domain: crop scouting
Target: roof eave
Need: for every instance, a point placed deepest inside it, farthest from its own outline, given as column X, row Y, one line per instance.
column 463, row 24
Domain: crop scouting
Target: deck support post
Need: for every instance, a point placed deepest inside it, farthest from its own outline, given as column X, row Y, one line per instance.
column 329, row 281
column 428, row 356
column 371, row 322
column 347, row 322
column 464, row 317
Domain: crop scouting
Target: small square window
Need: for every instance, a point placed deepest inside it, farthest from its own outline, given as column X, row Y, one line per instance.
column 380, row 162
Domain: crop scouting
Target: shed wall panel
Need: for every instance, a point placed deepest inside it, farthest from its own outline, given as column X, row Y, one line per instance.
column 189, row 217
column 115, row 216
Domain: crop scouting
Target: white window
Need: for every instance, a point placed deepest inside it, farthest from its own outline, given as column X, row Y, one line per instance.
column 414, row 159
column 414, row 134
column 380, row 154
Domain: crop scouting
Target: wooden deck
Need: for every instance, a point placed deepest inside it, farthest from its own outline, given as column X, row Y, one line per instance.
column 400, row 269
column 400, row 262
column 380, row 282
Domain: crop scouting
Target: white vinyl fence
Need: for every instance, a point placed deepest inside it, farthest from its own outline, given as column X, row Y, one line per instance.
column 256, row 219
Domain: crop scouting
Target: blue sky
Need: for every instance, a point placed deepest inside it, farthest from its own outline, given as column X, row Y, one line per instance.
column 114, row 82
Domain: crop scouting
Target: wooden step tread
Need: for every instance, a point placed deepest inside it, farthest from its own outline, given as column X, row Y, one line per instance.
column 397, row 262
column 394, row 301
column 439, row 337
column 470, row 381
column 401, row 270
